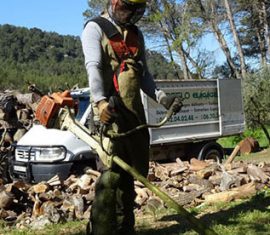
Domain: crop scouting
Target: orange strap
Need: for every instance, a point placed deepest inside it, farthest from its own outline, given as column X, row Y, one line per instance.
column 123, row 50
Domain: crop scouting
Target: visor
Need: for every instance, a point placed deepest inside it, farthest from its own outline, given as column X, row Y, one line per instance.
column 129, row 13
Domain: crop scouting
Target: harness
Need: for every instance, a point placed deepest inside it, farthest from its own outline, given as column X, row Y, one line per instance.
column 123, row 49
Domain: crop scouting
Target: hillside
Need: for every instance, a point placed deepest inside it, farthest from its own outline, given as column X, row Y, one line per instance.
column 50, row 60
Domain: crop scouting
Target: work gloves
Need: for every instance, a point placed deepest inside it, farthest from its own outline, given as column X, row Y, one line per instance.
column 168, row 101
column 106, row 113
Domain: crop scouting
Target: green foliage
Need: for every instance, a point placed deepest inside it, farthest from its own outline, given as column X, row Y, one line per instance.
column 256, row 98
column 232, row 141
column 50, row 60
column 159, row 66
column 47, row 59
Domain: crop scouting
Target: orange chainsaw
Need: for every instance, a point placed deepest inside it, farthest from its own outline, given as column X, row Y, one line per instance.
column 50, row 105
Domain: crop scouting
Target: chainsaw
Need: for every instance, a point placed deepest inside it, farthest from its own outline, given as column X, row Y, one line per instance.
column 58, row 111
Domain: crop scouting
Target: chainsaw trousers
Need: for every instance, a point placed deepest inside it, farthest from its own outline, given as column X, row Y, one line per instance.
column 112, row 209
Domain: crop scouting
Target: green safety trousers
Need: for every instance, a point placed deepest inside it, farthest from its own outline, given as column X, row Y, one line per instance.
column 112, row 209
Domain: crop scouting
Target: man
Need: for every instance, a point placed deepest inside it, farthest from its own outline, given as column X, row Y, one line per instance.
column 115, row 61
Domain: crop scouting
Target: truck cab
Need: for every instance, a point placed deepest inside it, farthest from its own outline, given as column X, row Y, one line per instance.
column 43, row 153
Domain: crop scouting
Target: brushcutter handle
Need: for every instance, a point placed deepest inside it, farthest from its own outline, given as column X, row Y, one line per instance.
column 171, row 111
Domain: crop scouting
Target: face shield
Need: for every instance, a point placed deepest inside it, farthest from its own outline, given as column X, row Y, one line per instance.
column 126, row 13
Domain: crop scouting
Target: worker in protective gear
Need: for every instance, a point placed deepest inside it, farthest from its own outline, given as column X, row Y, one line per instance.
column 115, row 62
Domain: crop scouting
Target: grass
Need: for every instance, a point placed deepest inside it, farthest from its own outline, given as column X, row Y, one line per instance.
column 69, row 228
column 232, row 141
column 236, row 218
column 262, row 156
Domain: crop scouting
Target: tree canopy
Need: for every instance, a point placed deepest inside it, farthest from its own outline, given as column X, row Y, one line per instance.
column 51, row 61
column 241, row 29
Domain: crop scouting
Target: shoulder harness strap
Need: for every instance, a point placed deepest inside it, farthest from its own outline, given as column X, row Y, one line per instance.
column 123, row 49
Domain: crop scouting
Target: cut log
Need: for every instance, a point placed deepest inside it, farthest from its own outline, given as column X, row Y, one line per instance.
column 257, row 174
column 141, row 197
column 39, row 188
column 92, row 172
column 6, row 198
column 249, row 145
column 54, row 181
column 244, row 191
column 161, row 172
column 206, row 172
column 196, row 165
column 226, row 181
column 178, row 171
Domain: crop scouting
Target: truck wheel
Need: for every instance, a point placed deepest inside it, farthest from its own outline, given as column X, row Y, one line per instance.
column 211, row 150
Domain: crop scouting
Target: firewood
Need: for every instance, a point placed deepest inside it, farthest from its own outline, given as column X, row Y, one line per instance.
column 178, row 171
column 215, row 179
column 186, row 198
column 84, row 182
column 21, row 185
column 161, row 172
column 244, row 191
column 154, row 204
column 141, row 197
column 36, row 208
column 196, row 165
column 192, row 187
column 6, row 198
column 78, row 203
column 239, row 170
column 151, row 175
column 207, row 171
column 92, row 172
column 226, row 181
column 206, row 184
column 181, row 163
column 257, row 174
column 17, row 193
column 249, row 145
column 54, row 181
column 39, row 188
column 70, row 180
column 138, row 184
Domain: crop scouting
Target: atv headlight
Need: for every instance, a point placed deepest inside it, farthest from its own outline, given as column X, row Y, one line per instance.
column 50, row 154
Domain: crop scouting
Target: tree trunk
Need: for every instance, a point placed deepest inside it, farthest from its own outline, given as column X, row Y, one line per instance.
column 184, row 63
column 170, row 52
column 195, row 64
column 259, row 27
column 236, row 38
column 266, row 27
column 212, row 19
column 222, row 41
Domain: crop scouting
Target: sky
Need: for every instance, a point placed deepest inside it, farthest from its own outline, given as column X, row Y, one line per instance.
column 60, row 16
column 64, row 17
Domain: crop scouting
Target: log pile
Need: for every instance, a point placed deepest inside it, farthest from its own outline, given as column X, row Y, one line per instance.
column 16, row 115
column 189, row 183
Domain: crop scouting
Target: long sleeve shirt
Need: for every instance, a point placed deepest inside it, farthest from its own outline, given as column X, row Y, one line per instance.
column 91, row 43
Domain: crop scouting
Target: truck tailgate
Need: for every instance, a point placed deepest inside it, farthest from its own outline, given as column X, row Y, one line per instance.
column 212, row 108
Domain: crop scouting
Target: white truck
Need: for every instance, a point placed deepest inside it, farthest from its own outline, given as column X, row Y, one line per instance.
column 212, row 109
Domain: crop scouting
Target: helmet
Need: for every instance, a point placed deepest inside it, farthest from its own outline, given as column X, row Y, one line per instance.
column 128, row 12
column 135, row 1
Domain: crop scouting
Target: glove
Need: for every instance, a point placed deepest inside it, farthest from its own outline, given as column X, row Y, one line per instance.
column 105, row 113
column 168, row 101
